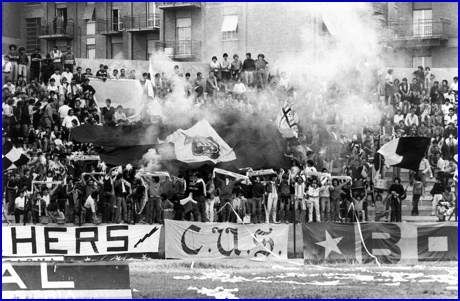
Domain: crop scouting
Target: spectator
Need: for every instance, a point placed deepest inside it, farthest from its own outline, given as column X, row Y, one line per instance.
column 101, row 73
column 397, row 195
column 249, row 67
column 411, row 118
column 211, row 85
column 67, row 121
column 23, row 61
column 380, row 208
column 258, row 191
column 56, row 56
column 225, row 67
column 47, row 69
column 313, row 200
column 20, row 207
column 69, row 59
column 236, row 67
column 35, row 65
column 108, row 113
column 262, row 70
column 122, row 74
column 120, row 116
column 215, row 67
column 6, row 70
column 389, row 82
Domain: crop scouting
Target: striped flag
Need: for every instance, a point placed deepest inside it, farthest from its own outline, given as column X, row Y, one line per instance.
column 12, row 157
column 286, row 121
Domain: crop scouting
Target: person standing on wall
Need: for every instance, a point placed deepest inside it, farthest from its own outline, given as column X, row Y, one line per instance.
column 14, row 57
column 56, row 56
column 23, row 61
column 35, row 63
column 69, row 59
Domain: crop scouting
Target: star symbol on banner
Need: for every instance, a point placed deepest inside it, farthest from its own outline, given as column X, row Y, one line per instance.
column 144, row 257
column 87, row 259
column 330, row 244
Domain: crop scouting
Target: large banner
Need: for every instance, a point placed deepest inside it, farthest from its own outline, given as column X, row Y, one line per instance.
column 29, row 241
column 188, row 240
column 388, row 242
column 95, row 280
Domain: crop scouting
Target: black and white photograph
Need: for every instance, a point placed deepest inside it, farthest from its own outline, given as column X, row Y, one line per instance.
column 230, row 150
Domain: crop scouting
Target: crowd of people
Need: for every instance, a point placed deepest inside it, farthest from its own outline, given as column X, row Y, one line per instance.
column 43, row 102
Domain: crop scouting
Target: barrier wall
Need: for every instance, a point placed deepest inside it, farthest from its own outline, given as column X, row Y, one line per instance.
column 83, row 242
column 103, row 280
column 388, row 242
column 188, row 240
column 143, row 66
column 125, row 92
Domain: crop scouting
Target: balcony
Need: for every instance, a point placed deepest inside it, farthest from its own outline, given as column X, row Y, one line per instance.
column 56, row 31
column 181, row 50
column 380, row 8
column 109, row 27
column 145, row 22
column 419, row 33
column 173, row 6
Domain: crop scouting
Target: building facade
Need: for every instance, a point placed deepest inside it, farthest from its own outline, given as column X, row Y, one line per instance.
column 422, row 34
column 411, row 34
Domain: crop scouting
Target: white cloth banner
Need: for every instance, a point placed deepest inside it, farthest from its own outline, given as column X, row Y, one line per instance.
column 188, row 240
column 79, row 241
column 200, row 143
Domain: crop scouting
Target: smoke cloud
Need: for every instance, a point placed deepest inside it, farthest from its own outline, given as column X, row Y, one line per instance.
column 336, row 75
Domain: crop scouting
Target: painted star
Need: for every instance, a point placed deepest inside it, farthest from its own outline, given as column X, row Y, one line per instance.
column 144, row 257
column 87, row 259
column 330, row 244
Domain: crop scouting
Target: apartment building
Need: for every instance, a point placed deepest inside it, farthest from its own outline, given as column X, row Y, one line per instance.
column 422, row 34
column 411, row 34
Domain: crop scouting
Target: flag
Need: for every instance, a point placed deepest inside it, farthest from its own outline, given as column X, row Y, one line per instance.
column 330, row 242
column 286, row 121
column 12, row 157
column 406, row 152
column 200, row 143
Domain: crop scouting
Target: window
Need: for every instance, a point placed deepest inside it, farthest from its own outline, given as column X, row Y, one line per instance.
column 91, row 51
column 32, row 40
column 425, row 61
column 90, row 28
column 423, row 23
column 152, row 18
column 117, row 23
column 230, row 28
column 184, row 36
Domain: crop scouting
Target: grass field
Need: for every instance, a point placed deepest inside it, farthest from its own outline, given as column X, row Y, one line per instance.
column 250, row 279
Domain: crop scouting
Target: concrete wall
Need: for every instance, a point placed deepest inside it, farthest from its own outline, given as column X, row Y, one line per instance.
column 439, row 73
column 142, row 66
column 11, row 25
column 275, row 30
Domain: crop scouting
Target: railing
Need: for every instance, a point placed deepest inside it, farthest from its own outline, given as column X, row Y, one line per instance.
column 57, row 28
column 139, row 22
column 425, row 28
column 181, row 49
column 178, row 4
column 379, row 7
column 109, row 25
